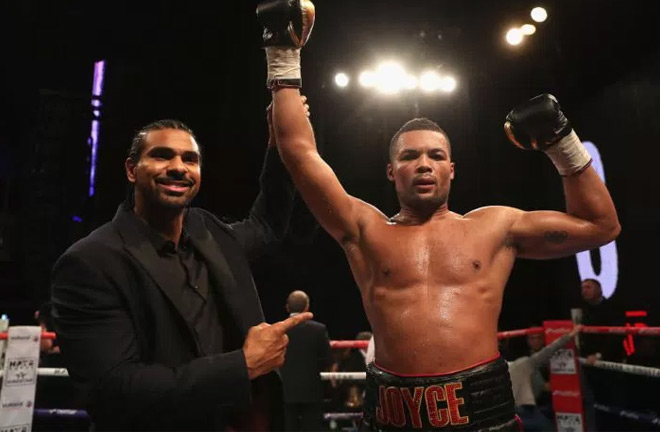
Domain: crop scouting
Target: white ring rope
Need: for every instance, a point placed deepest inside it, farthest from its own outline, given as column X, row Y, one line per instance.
column 58, row 372
column 342, row 416
column 325, row 376
column 361, row 376
column 623, row 367
column 343, row 376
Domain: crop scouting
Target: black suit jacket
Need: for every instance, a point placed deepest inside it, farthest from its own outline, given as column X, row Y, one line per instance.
column 602, row 314
column 124, row 340
column 307, row 355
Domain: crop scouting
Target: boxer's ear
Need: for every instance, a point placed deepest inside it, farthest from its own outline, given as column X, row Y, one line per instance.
column 390, row 172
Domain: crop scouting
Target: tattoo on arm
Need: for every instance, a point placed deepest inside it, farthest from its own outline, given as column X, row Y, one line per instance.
column 556, row 236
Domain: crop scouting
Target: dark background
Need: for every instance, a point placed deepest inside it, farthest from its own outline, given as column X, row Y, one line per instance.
column 201, row 63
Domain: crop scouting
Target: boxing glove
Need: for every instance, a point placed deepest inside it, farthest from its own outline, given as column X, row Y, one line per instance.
column 539, row 124
column 287, row 27
column 286, row 23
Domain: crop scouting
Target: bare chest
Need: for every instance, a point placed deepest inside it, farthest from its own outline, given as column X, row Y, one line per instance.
column 441, row 254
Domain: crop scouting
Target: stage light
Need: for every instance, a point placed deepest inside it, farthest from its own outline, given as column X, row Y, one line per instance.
column 528, row 29
column 539, row 14
column 93, row 140
column 410, row 82
column 448, row 84
column 430, row 81
column 391, row 77
column 514, row 36
column 341, row 79
column 367, row 79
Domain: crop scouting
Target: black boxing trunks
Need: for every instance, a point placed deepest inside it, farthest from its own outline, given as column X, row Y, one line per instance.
column 478, row 398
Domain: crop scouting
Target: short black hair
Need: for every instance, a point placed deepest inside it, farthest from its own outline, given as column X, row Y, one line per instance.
column 597, row 282
column 137, row 144
column 419, row 123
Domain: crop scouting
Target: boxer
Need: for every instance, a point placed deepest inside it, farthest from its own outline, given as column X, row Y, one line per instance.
column 432, row 280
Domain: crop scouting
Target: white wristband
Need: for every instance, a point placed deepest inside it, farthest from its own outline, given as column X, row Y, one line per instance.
column 283, row 63
column 569, row 155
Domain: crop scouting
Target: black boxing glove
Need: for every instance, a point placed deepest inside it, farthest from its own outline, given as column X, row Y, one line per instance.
column 539, row 124
column 287, row 27
column 286, row 23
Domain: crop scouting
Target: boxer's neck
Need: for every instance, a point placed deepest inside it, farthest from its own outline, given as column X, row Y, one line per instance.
column 410, row 216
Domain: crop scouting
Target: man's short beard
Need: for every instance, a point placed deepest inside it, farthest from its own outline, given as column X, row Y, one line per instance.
column 175, row 206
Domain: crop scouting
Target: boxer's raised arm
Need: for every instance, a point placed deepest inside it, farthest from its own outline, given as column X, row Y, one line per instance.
column 590, row 219
column 335, row 209
column 287, row 27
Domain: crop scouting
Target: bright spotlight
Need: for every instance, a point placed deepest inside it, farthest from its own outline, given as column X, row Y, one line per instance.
column 341, row 79
column 410, row 82
column 448, row 84
column 430, row 81
column 391, row 77
column 368, row 79
column 528, row 29
column 514, row 36
column 539, row 14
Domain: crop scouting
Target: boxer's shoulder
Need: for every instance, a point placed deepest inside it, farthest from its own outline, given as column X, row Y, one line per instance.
column 368, row 214
column 494, row 214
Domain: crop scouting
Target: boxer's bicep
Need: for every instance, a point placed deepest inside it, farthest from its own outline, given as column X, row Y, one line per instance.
column 551, row 234
column 331, row 205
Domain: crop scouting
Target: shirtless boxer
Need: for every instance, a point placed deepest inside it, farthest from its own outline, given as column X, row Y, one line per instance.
column 432, row 280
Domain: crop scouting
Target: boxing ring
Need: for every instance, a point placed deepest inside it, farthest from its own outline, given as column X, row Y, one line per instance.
column 565, row 381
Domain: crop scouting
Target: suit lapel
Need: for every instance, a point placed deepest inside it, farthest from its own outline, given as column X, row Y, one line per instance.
column 215, row 260
column 240, row 303
column 139, row 246
column 241, row 300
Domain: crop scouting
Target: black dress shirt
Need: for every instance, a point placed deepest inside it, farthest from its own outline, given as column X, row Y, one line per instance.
column 190, row 272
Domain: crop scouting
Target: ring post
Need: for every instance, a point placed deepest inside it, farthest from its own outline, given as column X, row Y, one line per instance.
column 565, row 380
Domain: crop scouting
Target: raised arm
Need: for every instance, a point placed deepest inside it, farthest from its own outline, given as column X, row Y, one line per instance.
column 590, row 219
column 335, row 210
column 270, row 213
column 287, row 26
column 542, row 356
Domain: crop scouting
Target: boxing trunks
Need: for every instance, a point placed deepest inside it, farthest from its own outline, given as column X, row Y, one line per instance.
column 476, row 399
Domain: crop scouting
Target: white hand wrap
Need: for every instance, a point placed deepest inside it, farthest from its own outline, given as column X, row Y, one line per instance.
column 569, row 155
column 283, row 63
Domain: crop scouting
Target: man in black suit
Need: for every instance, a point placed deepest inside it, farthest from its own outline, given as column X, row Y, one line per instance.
column 156, row 312
column 307, row 355
column 600, row 385
column 599, row 311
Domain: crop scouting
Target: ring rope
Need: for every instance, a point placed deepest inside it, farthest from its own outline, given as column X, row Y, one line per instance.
column 61, row 413
column 44, row 335
column 342, row 416
column 624, row 367
column 360, row 376
column 651, row 331
column 642, row 417
column 633, row 415
column 58, row 372
column 343, row 376
column 521, row 332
